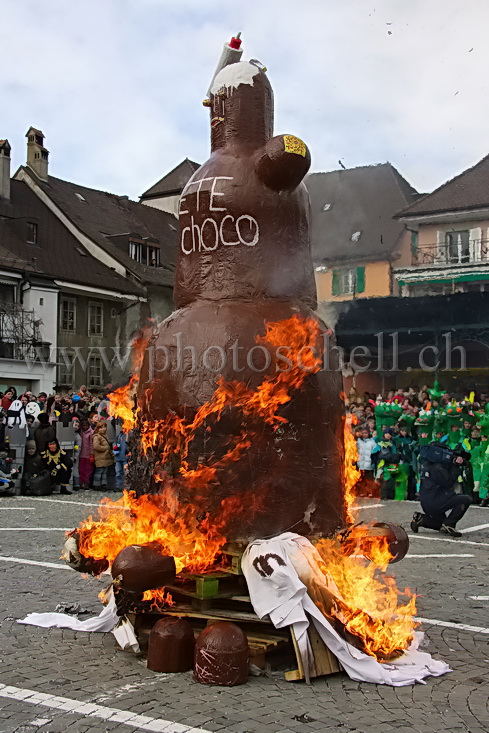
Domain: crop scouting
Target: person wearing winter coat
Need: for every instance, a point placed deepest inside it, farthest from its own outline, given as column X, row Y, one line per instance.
column 104, row 476
column 32, row 463
column 59, row 464
column 366, row 447
column 44, row 433
column 120, row 453
column 77, row 442
column 9, row 396
column 86, row 462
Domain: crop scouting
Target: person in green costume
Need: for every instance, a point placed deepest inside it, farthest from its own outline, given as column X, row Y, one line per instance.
column 424, row 425
column 386, row 455
column 407, row 449
column 480, row 466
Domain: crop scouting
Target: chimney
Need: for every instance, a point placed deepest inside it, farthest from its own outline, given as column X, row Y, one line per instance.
column 37, row 155
column 4, row 170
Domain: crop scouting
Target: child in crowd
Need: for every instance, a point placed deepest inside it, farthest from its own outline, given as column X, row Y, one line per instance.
column 104, row 476
column 86, row 462
column 59, row 464
column 77, row 442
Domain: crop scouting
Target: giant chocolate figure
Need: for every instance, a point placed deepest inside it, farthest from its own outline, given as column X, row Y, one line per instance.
column 245, row 260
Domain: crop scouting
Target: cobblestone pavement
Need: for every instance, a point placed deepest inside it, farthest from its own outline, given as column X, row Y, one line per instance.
column 86, row 684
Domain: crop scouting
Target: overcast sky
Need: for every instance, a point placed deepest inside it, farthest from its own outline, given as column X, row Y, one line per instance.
column 117, row 85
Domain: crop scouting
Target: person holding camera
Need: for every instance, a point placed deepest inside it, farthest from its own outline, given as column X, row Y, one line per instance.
column 443, row 507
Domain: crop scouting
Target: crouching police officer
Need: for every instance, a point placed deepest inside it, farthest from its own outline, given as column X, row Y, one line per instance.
column 442, row 506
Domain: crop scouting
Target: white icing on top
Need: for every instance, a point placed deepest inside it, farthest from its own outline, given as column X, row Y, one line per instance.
column 234, row 75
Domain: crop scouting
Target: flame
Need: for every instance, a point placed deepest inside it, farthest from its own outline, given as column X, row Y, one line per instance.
column 121, row 402
column 366, row 602
column 369, row 604
column 194, row 541
column 173, row 435
column 351, row 472
column 177, row 517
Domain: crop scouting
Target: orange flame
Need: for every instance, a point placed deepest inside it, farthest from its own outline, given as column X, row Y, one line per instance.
column 121, row 402
column 185, row 529
column 369, row 606
column 351, row 472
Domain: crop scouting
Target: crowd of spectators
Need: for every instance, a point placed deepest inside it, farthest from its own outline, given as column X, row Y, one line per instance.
column 390, row 430
column 90, row 459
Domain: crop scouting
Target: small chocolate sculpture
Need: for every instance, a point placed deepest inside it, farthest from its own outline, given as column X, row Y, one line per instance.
column 73, row 557
column 171, row 646
column 245, row 260
column 221, row 655
column 143, row 567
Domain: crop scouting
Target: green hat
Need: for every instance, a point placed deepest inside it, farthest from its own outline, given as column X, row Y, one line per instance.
column 435, row 392
column 484, row 425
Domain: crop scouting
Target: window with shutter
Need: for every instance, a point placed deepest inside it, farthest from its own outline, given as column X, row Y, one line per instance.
column 360, row 279
column 335, row 286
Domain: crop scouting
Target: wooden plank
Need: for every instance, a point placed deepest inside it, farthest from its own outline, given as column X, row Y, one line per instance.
column 324, row 661
column 222, row 615
column 296, row 674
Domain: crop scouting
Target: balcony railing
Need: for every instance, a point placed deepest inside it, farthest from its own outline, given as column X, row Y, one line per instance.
column 20, row 334
column 447, row 254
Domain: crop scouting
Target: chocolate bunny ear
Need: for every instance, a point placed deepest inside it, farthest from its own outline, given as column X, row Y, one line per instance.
column 259, row 64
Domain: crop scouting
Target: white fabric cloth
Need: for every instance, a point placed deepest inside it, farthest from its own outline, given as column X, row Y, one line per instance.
column 273, row 570
column 106, row 621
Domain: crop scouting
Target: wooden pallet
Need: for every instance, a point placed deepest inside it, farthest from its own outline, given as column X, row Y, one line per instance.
column 223, row 596
column 267, row 644
column 204, row 590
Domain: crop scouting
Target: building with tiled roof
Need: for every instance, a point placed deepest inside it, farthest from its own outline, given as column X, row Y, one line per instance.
column 165, row 193
column 354, row 238
column 87, row 266
column 450, row 237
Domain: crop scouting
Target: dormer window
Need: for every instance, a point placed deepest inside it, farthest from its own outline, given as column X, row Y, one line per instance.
column 31, row 232
column 144, row 254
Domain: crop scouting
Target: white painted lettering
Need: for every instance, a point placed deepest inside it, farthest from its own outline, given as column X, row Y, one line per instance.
column 253, row 226
column 217, row 193
column 184, row 250
column 228, row 232
column 215, row 236
column 180, row 210
column 221, row 233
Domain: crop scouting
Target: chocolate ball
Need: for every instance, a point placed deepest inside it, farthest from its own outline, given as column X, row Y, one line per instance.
column 171, row 646
column 221, row 655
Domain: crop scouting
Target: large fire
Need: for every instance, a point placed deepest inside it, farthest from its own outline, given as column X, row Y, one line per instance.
column 368, row 604
column 184, row 529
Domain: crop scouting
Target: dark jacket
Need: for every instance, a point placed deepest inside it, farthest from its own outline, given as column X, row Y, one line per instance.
column 43, row 435
column 436, row 485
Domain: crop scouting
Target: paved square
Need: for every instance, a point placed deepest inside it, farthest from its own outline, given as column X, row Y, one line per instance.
column 54, row 680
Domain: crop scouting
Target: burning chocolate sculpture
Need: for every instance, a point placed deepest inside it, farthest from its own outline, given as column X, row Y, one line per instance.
column 245, row 262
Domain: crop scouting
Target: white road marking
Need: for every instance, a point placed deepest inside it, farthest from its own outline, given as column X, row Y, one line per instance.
column 479, row 598
column 19, row 508
column 416, row 501
column 91, row 710
column 365, row 506
column 57, row 566
column 64, row 501
column 35, row 529
column 446, row 539
column 474, row 529
column 452, row 625
column 443, row 556
column 22, row 561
